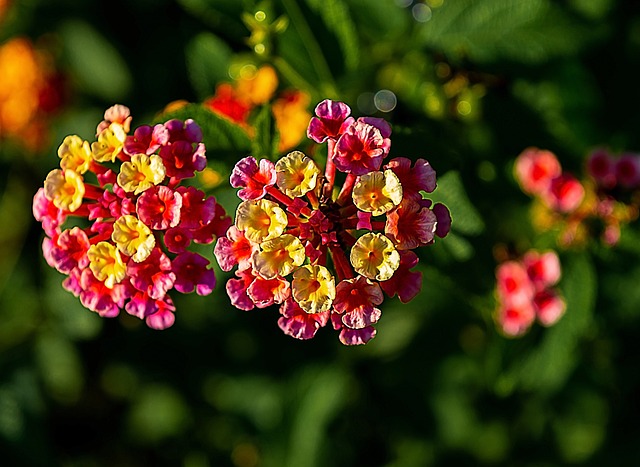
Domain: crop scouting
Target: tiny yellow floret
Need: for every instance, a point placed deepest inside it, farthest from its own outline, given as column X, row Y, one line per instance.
column 65, row 189
column 133, row 237
column 279, row 256
column 375, row 257
column 141, row 173
column 109, row 144
column 260, row 220
column 377, row 192
column 75, row 154
column 106, row 263
column 296, row 174
column 314, row 288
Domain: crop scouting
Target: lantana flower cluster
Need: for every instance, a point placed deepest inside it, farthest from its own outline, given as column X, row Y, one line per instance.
column 325, row 254
column 525, row 292
column 134, row 218
column 578, row 209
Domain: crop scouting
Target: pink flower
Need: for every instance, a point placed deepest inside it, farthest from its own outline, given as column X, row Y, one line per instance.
column 163, row 318
column 565, row 193
column 421, row 177
column 69, row 250
column 405, row 283
column 188, row 131
column 628, row 170
column 197, row 209
column 237, row 290
column 443, row 216
column 514, row 285
column 266, row 292
column 159, row 207
column 331, row 120
column 152, row 276
column 96, row 296
column 350, row 336
column 44, row 211
column 297, row 323
column 543, row 268
column 361, row 148
column 146, row 140
column 192, row 273
column 549, row 307
column 534, row 170
column 177, row 239
column 411, row 225
column 181, row 160
column 515, row 319
column 253, row 179
column 234, row 249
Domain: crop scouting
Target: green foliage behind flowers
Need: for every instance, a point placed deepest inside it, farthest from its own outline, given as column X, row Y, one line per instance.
column 468, row 86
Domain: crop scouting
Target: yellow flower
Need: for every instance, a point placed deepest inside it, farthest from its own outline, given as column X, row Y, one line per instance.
column 296, row 174
column 75, row 154
column 65, row 188
column 133, row 237
column 109, row 144
column 375, row 257
column 259, row 88
column 141, row 173
column 377, row 192
column 314, row 288
column 279, row 256
column 260, row 220
column 106, row 263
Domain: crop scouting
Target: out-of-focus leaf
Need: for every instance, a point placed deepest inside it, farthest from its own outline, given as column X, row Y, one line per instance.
column 60, row 367
column 158, row 413
column 218, row 132
column 548, row 366
column 529, row 32
column 94, row 61
column 264, row 143
column 337, row 17
column 322, row 397
column 207, row 62
column 451, row 192
column 458, row 246
column 219, row 14
column 382, row 18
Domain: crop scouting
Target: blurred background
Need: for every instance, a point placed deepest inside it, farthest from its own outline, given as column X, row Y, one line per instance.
column 466, row 84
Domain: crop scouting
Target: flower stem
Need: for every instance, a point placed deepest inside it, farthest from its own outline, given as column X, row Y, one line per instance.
column 330, row 170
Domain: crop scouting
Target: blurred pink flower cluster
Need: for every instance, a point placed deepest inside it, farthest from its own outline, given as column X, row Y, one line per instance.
column 134, row 220
column 342, row 248
column 579, row 209
column 525, row 292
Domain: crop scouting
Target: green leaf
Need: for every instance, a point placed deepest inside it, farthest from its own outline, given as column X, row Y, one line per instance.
column 451, row 192
column 96, row 64
column 219, row 134
column 207, row 62
column 265, row 140
column 336, row 16
column 379, row 19
column 529, row 31
column 220, row 15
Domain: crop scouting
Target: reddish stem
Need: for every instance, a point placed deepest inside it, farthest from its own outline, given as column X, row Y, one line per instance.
column 330, row 170
column 347, row 189
column 341, row 263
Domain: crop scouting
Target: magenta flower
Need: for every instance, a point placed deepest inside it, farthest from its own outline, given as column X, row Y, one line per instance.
column 535, row 168
column 141, row 219
column 362, row 147
column 159, row 207
column 192, row 273
column 331, row 121
column 628, row 170
column 325, row 254
column 565, row 193
column 253, row 179
column 602, row 168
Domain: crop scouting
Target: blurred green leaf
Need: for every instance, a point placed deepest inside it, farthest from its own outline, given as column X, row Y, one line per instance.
column 208, row 60
column 264, row 143
column 94, row 61
column 159, row 412
column 218, row 132
column 384, row 19
column 451, row 192
column 337, row 17
column 60, row 367
column 531, row 31
column 218, row 14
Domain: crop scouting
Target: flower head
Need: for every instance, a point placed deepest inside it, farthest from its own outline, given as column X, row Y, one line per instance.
column 330, row 255
column 140, row 221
